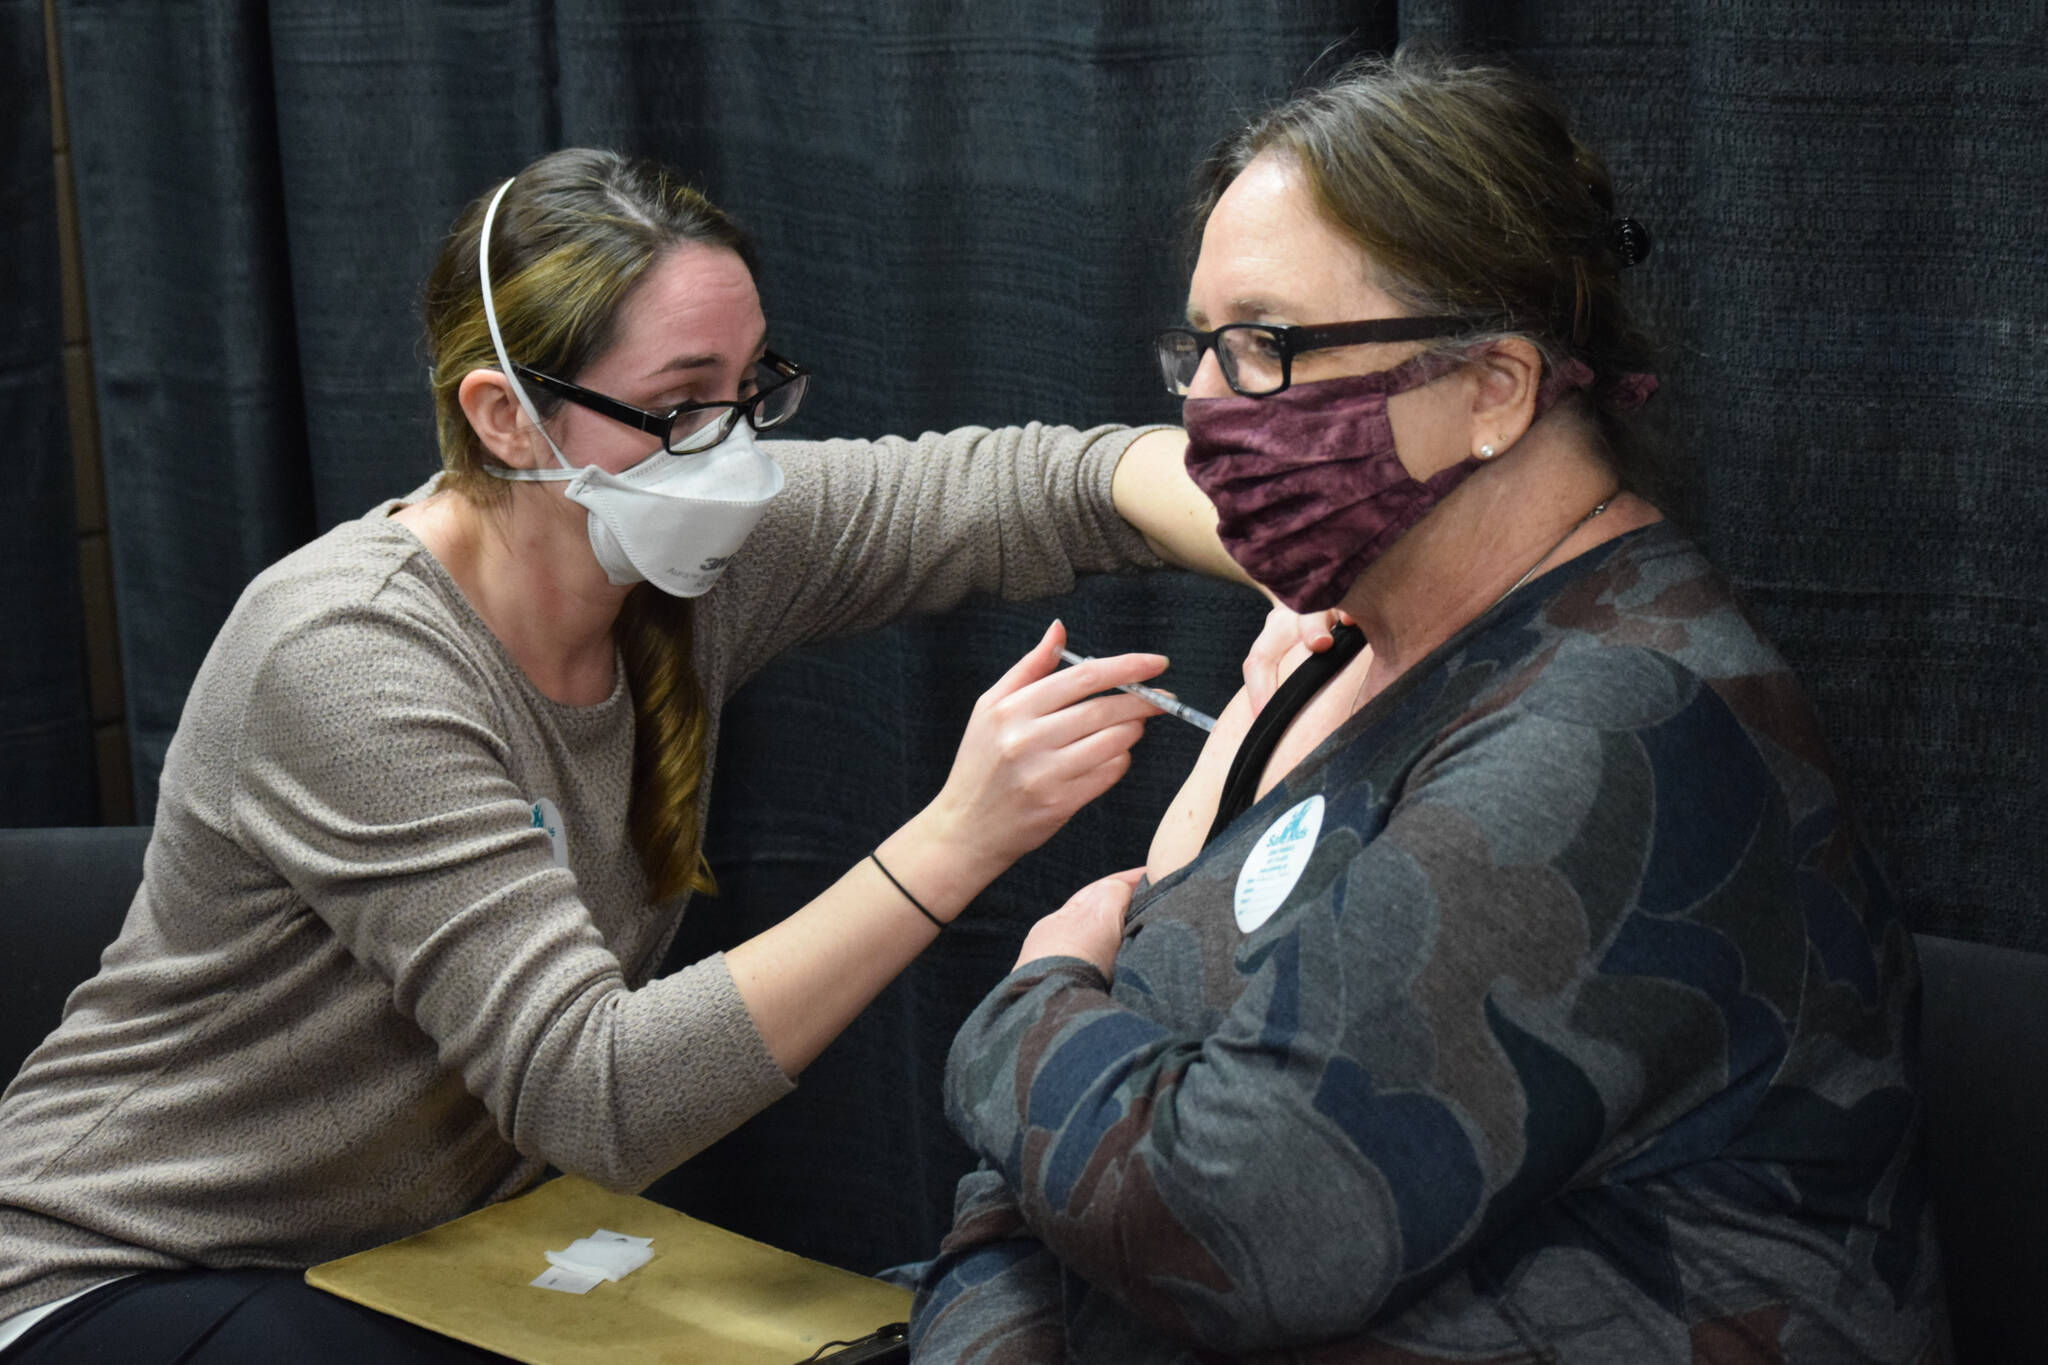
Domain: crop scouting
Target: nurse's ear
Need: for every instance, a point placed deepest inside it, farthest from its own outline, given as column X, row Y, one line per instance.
column 498, row 420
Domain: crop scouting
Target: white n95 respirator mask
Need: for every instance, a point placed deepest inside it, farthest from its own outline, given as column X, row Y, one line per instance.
column 674, row 520
column 670, row 520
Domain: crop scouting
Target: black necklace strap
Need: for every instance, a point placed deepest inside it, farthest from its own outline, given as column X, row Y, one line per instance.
column 1240, row 788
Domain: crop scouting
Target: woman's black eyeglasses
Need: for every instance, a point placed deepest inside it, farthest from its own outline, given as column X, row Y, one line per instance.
column 1258, row 357
column 779, row 386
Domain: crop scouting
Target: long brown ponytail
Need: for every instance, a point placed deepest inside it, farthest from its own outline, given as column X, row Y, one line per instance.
column 671, row 724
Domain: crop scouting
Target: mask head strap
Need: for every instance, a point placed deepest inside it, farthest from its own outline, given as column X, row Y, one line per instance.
column 483, row 272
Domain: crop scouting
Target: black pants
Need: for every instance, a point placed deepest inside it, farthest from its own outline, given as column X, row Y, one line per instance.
column 228, row 1317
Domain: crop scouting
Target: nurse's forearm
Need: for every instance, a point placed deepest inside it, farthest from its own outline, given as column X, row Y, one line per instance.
column 806, row 978
column 1041, row 743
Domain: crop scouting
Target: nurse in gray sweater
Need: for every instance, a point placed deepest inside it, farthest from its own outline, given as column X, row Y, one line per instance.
column 435, row 803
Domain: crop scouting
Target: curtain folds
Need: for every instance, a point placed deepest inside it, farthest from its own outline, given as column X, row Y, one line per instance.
column 966, row 212
column 46, row 757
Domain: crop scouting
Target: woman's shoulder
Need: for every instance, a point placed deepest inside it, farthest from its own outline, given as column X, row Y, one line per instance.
column 325, row 640
column 1651, row 600
column 1652, row 640
column 355, row 558
column 363, row 598
column 367, row 566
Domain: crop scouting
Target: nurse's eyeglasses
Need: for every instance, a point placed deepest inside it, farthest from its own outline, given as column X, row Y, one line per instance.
column 1258, row 357
column 778, row 389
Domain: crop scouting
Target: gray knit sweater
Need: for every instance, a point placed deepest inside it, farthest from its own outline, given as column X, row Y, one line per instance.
column 360, row 992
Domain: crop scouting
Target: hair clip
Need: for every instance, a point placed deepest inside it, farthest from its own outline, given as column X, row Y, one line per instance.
column 1630, row 241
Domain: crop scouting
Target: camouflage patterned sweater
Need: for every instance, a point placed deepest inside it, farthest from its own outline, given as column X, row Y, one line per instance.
column 1550, row 1010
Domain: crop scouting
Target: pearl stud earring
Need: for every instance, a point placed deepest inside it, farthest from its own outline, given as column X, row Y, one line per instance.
column 1486, row 452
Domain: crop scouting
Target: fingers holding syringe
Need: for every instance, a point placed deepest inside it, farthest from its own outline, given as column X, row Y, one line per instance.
column 1025, row 770
column 1009, row 800
column 1033, row 754
column 1036, row 683
column 1075, row 715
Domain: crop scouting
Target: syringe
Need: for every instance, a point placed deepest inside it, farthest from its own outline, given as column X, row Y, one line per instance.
column 1172, row 706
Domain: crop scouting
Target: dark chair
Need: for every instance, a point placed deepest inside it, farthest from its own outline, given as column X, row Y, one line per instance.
column 63, row 894
column 1984, row 1067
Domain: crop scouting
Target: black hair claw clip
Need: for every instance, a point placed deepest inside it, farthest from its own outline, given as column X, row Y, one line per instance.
column 1630, row 240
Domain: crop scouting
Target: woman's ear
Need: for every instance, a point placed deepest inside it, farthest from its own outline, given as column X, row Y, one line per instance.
column 496, row 417
column 1509, row 371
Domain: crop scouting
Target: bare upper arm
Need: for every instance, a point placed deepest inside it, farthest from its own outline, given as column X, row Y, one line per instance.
column 1185, row 826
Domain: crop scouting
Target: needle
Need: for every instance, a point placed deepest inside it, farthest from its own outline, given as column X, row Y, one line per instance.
column 1171, row 705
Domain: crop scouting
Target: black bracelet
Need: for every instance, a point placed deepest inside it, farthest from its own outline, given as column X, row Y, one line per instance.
column 906, row 893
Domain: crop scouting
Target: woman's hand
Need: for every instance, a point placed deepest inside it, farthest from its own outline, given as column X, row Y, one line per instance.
column 1089, row 926
column 1287, row 637
column 1040, row 746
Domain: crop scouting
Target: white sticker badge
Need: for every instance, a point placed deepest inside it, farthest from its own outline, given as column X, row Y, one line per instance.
column 548, row 818
column 1276, row 864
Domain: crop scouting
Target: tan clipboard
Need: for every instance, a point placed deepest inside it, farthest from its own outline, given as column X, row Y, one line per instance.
column 708, row 1295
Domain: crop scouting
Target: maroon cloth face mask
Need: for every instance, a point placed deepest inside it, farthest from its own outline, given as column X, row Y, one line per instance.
column 1307, row 487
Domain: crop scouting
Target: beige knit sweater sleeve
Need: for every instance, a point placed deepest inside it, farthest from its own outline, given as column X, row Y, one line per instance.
column 867, row 531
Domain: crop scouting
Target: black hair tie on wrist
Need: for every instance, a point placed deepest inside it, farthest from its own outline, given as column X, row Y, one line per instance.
column 906, row 893
column 1630, row 241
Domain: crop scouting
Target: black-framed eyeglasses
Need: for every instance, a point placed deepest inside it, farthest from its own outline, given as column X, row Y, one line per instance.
column 1258, row 357
column 778, row 387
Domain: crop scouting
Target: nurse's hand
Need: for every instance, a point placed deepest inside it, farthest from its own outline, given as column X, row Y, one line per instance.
column 1287, row 638
column 1041, row 744
column 1089, row 926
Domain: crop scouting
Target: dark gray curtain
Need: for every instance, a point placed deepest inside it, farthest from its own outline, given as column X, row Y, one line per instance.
column 1852, row 201
column 967, row 213
column 46, row 758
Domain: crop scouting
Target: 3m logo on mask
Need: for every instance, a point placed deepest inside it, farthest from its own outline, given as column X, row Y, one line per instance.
column 689, row 577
